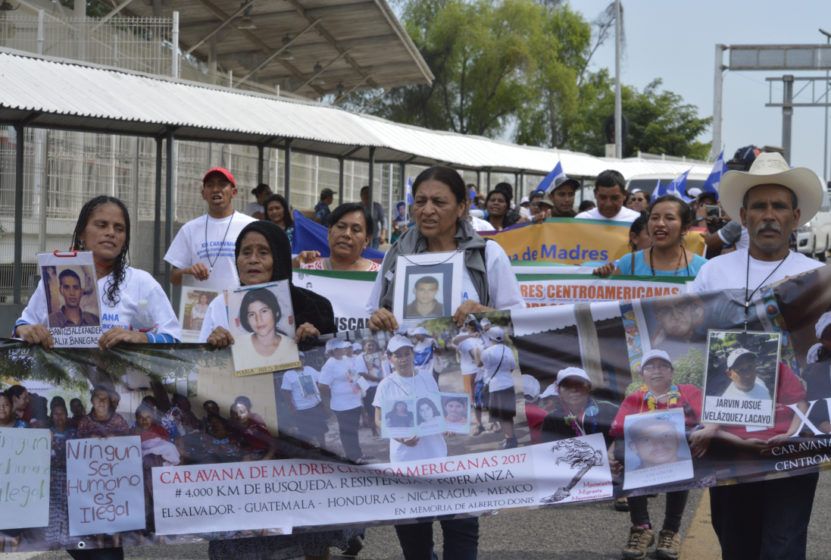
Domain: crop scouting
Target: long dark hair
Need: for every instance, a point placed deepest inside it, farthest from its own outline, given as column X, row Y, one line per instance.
column 120, row 266
column 683, row 209
column 264, row 296
column 287, row 217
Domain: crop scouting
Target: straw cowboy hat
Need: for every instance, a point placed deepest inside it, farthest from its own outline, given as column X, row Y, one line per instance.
column 770, row 168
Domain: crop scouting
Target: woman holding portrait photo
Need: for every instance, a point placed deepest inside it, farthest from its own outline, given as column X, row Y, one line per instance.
column 260, row 315
column 488, row 284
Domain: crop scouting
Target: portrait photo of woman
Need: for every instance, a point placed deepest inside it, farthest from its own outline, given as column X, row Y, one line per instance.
column 400, row 416
column 263, row 344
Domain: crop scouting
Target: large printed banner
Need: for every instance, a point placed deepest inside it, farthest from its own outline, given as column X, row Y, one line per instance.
column 545, row 289
column 565, row 241
column 541, row 285
column 574, row 242
column 213, row 456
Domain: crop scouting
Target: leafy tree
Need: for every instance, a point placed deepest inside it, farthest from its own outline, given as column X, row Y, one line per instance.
column 522, row 65
column 490, row 61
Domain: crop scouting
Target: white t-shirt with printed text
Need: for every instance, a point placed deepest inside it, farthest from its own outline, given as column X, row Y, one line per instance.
column 138, row 286
column 192, row 245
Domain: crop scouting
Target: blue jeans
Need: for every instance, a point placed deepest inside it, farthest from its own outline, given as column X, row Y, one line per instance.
column 764, row 520
column 461, row 539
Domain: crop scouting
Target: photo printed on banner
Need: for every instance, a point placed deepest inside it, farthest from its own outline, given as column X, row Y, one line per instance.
column 261, row 320
column 193, row 307
column 72, row 304
column 427, row 286
column 657, row 451
column 741, row 378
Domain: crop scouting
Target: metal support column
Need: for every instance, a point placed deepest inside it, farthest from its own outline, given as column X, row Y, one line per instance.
column 718, row 88
column 17, row 271
column 787, row 115
column 371, row 178
column 168, row 201
column 402, row 183
column 260, row 154
column 157, row 223
column 340, row 181
column 287, row 171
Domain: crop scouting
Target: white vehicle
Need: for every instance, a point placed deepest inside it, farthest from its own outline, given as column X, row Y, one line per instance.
column 814, row 238
column 647, row 181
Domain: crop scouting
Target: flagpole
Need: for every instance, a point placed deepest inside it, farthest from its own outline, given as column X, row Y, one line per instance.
column 618, row 102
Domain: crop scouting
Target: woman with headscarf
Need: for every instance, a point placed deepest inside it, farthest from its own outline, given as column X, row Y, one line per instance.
column 263, row 254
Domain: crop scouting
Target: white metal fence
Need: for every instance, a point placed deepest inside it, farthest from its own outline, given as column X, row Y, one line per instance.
column 64, row 169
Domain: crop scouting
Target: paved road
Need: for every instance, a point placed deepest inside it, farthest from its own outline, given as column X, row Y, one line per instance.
column 581, row 532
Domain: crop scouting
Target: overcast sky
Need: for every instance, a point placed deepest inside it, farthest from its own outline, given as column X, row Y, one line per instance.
column 675, row 41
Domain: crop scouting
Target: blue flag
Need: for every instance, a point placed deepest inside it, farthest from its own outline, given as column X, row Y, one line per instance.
column 549, row 179
column 659, row 190
column 678, row 187
column 410, row 198
column 311, row 236
column 714, row 178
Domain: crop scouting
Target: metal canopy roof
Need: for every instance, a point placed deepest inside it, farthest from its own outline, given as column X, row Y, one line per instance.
column 307, row 47
column 47, row 93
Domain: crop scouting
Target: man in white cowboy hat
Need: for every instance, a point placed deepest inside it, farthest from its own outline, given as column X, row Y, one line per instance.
column 769, row 517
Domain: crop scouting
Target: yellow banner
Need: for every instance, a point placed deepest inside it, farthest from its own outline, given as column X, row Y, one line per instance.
column 574, row 242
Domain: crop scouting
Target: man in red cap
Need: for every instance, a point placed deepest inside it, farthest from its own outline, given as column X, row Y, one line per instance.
column 204, row 247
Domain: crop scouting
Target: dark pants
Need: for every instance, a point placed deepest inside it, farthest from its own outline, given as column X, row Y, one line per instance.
column 348, row 422
column 461, row 539
column 368, row 407
column 764, row 520
column 676, row 502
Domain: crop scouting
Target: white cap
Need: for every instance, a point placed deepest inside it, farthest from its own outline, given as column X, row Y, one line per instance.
column 524, row 200
column 734, row 356
column 342, row 344
column 822, row 324
column 550, row 391
column 356, row 346
column 417, row 330
column 496, row 334
column 397, row 342
column 694, row 192
column 530, row 386
column 573, row 372
column 655, row 355
column 331, row 344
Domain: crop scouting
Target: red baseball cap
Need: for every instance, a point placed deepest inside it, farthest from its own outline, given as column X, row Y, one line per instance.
column 222, row 171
